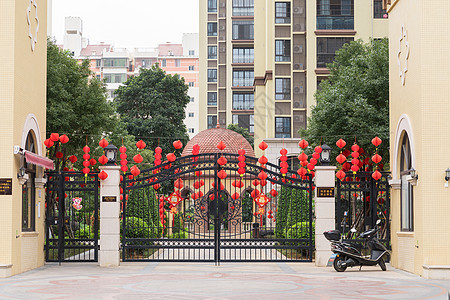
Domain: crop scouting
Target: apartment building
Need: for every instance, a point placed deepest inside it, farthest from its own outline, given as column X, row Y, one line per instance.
column 116, row 65
column 261, row 61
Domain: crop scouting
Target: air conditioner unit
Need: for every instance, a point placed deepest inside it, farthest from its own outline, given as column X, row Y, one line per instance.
column 298, row 10
column 298, row 90
column 297, row 118
column 299, row 27
column 222, row 27
column 221, row 15
column 221, row 38
column 296, row 105
column 298, row 49
column 222, row 49
column 298, row 66
column 222, row 4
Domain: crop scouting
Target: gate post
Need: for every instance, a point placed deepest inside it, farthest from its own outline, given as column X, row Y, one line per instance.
column 324, row 212
column 109, row 254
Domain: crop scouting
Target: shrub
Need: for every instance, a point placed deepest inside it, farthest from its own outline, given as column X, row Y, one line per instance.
column 180, row 235
column 85, row 232
column 136, row 228
column 300, row 230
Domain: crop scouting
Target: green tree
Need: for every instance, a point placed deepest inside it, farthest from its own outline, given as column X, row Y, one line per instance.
column 354, row 101
column 76, row 100
column 153, row 107
column 242, row 131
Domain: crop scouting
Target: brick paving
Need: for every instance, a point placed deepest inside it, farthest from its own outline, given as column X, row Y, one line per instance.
column 207, row 281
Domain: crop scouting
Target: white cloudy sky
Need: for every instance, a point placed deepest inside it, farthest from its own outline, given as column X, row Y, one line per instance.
column 128, row 23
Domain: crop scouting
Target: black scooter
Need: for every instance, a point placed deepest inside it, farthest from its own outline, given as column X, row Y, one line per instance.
column 349, row 254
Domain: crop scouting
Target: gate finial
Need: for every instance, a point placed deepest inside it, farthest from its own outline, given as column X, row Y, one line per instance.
column 218, row 125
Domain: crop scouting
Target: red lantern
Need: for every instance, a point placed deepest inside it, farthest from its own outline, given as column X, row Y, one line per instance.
column 355, row 154
column 178, row 183
column 376, row 141
column 303, row 144
column 59, row 154
column 64, row 139
column 222, row 174
column 255, row 193
column 156, row 186
column 221, row 145
column 86, row 149
column 263, row 145
column 73, row 159
column 124, row 168
column 140, row 144
column 376, row 158
column 318, row 149
column 102, row 175
column 316, row 155
column 123, row 149
column 178, row 144
column 274, row 193
column 355, row 148
column 222, row 161
column 103, row 159
column 237, row 183
column 376, row 175
column 48, row 143
column 302, row 157
column 241, row 171
column 198, row 184
column 301, row 171
column 195, row 149
column 340, row 158
column 86, row 170
column 235, row 196
column 221, row 186
column 171, row 157
column 341, row 143
column 263, row 160
column 103, row 143
column 283, row 151
column 92, row 162
column 355, row 161
column 310, row 167
column 262, row 175
column 241, row 164
column 313, row 161
column 135, row 171
column 241, row 152
column 54, row 137
column 354, row 168
column 255, row 182
column 158, row 150
column 340, row 174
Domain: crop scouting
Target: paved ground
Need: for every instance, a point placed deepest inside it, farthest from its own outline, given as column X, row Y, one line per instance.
column 228, row 281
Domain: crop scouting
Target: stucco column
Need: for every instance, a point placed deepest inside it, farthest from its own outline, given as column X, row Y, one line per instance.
column 324, row 210
column 109, row 254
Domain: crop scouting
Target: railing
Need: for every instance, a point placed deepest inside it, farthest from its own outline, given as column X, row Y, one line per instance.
column 333, row 22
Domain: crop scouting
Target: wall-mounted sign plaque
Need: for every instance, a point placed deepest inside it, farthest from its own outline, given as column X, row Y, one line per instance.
column 325, row 192
column 5, row 186
column 109, row 199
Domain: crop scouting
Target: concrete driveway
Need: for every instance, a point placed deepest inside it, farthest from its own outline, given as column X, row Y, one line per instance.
column 229, row 281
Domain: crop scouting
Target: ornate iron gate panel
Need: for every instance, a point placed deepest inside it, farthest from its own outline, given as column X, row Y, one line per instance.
column 72, row 205
column 195, row 209
column 360, row 201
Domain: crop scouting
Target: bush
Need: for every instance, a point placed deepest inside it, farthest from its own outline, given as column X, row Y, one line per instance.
column 293, row 207
column 137, row 228
column 300, row 231
column 180, row 235
column 85, row 232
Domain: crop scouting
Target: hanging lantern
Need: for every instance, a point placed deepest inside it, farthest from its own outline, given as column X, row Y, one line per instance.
column 178, row 183
column 341, row 143
column 198, row 184
column 178, row 144
column 235, row 196
column 48, row 143
column 255, row 182
column 86, row 170
column 54, row 137
column 73, row 159
column 318, row 149
column 302, row 172
column 103, row 143
column 222, row 161
column 263, row 145
column 222, row 174
column 355, row 154
column 64, row 139
column 341, row 158
column 302, row 157
column 135, row 171
column 171, row 157
column 221, row 145
column 195, row 149
column 303, row 144
column 59, row 154
column 274, row 193
column 376, row 141
column 92, row 161
column 263, row 160
column 103, row 159
column 354, row 169
column 241, row 152
column 140, row 144
column 255, row 193
column 376, row 175
column 237, row 184
column 102, row 175
column 355, row 147
column 262, row 175
column 138, row 158
column 340, row 174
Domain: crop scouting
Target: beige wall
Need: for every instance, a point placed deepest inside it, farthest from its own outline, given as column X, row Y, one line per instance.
column 23, row 92
column 424, row 99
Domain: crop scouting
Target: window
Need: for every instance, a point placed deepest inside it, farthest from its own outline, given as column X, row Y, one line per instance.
column 191, row 83
column 244, row 121
column 407, row 188
column 191, row 130
column 212, row 98
column 283, row 89
column 283, row 50
column 335, row 14
column 191, row 115
column 98, row 63
column 212, row 121
column 163, row 63
column 28, row 189
column 243, row 7
column 177, row 62
column 212, row 5
column 212, row 52
column 191, row 68
column 378, row 11
column 212, row 29
column 242, row 30
column 282, row 127
column 115, row 78
column 146, row 63
column 192, row 99
column 212, row 75
column 293, row 163
column 115, row 62
column 327, row 47
column 282, row 12
column 243, row 55
column 243, row 77
column 243, row 101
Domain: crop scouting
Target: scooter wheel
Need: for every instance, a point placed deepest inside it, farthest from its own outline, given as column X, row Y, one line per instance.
column 382, row 264
column 338, row 264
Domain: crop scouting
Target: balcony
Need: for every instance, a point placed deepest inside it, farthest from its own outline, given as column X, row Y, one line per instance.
column 335, row 22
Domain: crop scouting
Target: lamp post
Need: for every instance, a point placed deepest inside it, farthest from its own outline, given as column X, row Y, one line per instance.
column 111, row 154
column 325, row 155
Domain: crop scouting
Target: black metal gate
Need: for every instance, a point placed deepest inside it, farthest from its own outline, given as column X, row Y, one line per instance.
column 72, row 217
column 361, row 201
column 188, row 210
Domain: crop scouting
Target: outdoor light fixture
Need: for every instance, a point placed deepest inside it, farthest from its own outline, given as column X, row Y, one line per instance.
column 111, row 154
column 21, row 173
column 447, row 174
column 325, row 155
column 413, row 174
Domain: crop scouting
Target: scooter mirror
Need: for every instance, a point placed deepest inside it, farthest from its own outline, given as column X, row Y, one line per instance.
column 378, row 222
column 353, row 230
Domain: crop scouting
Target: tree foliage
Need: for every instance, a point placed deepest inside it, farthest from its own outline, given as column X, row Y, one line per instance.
column 152, row 105
column 76, row 100
column 354, row 101
column 242, row 131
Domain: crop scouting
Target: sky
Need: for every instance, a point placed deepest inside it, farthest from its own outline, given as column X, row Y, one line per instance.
column 128, row 23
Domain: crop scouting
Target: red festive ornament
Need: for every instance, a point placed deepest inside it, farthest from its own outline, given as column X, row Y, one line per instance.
column 354, row 168
column 156, row 186
column 124, row 168
column 86, row 149
column 355, row 161
column 222, row 161
column 171, row 157
column 283, row 152
column 92, row 162
column 303, row 144
column 178, row 183
column 178, row 144
column 376, row 158
column 237, row 183
column 340, row 158
column 241, row 164
column 318, row 149
column 355, row 154
column 255, row 194
column 123, row 149
column 198, row 173
column 198, row 184
column 301, row 171
column 341, row 143
column 222, row 174
column 241, row 152
column 140, row 144
column 195, row 149
column 263, row 160
column 59, row 154
column 73, row 159
column 310, row 166
column 302, row 157
column 376, row 141
column 138, row 158
column 313, row 161
column 263, row 145
column 241, row 171
column 221, row 145
column 135, row 171
column 158, row 150
column 174, row 199
column 274, row 193
column 86, row 170
column 340, row 174
column 255, row 182
column 123, row 156
column 64, row 139
column 376, row 175
column 222, row 187
column 48, row 143
column 316, row 155
column 54, row 137
column 262, row 200
column 103, row 143
column 355, row 147
column 235, row 196
column 262, row 175
column 102, row 175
